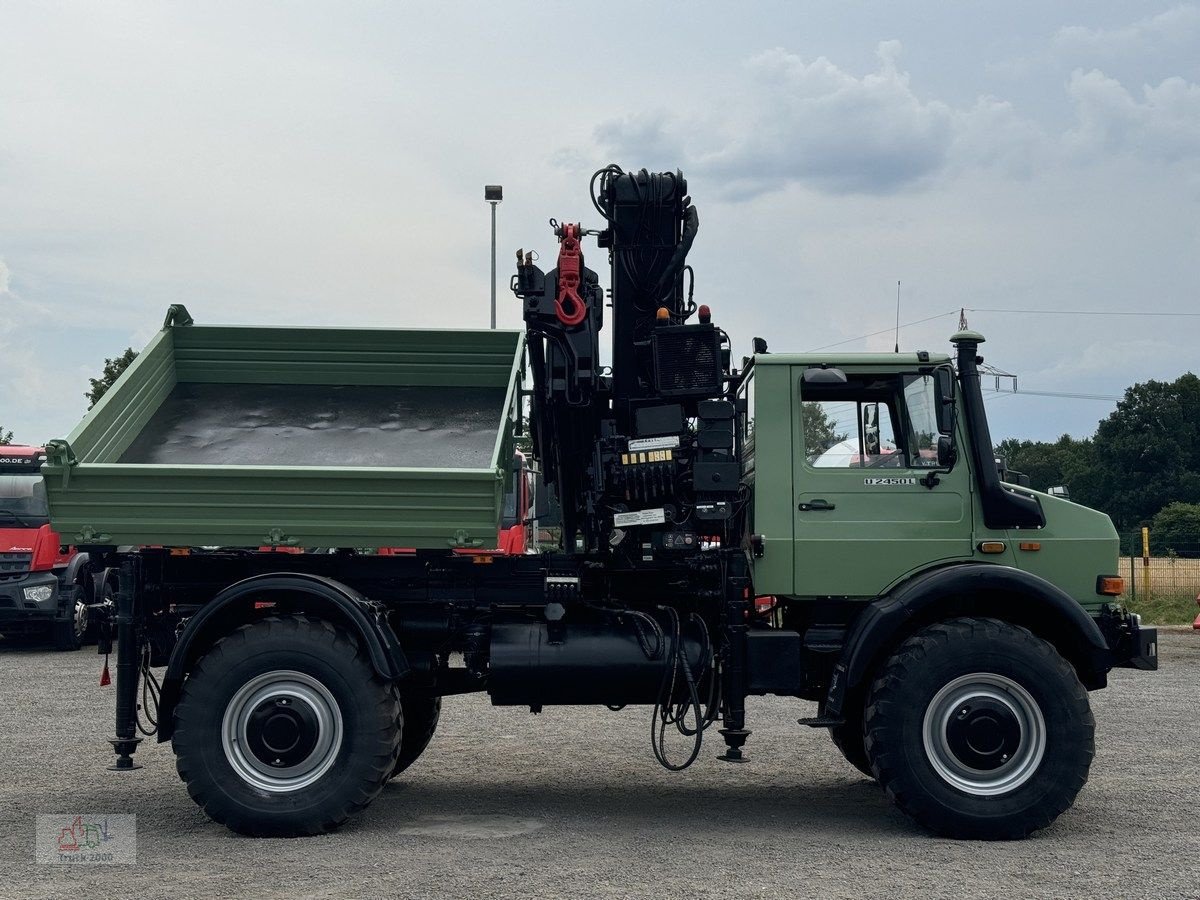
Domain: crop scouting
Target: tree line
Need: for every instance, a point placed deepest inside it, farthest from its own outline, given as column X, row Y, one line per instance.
column 1142, row 466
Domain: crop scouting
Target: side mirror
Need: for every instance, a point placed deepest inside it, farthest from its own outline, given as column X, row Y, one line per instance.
column 870, row 429
column 946, row 454
column 943, row 381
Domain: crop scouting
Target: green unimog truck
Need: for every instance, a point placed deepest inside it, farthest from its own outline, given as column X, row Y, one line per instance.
column 831, row 528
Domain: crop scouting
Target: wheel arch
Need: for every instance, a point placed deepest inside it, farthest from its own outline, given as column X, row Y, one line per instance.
column 969, row 589
column 237, row 605
column 78, row 565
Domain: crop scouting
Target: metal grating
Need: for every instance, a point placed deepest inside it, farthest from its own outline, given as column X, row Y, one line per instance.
column 687, row 361
column 14, row 566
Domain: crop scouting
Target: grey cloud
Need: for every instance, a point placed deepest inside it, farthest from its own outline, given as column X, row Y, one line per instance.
column 1164, row 125
column 816, row 124
column 1176, row 26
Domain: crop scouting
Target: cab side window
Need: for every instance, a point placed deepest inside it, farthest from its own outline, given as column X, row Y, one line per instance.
column 870, row 422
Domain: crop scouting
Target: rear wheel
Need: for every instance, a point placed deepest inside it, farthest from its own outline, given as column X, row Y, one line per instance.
column 283, row 728
column 978, row 729
column 420, row 716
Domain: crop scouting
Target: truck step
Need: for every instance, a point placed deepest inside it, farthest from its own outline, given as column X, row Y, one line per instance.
column 821, row 722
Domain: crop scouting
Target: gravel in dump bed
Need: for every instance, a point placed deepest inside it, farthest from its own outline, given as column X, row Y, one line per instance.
column 322, row 425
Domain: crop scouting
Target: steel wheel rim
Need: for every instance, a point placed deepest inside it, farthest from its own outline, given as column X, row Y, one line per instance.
column 312, row 699
column 79, row 620
column 999, row 693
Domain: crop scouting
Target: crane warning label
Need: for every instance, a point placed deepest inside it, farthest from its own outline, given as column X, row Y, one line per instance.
column 640, row 517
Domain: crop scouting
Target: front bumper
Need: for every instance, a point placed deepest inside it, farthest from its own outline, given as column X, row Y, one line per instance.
column 15, row 609
column 1137, row 647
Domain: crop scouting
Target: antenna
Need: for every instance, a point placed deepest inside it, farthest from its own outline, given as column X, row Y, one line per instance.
column 897, row 315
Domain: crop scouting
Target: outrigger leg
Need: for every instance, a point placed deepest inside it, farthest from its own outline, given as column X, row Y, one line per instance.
column 128, row 654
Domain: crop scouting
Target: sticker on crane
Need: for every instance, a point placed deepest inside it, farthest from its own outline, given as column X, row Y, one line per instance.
column 656, row 443
column 640, row 517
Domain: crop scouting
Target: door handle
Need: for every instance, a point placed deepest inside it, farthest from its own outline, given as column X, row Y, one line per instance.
column 815, row 505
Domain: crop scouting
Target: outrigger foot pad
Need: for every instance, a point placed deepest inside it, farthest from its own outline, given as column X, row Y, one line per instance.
column 124, row 748
column 734, row 739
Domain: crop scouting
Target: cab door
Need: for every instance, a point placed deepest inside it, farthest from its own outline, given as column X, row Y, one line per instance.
column 871, row 502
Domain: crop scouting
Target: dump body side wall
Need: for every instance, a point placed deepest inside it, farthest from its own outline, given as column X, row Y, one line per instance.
column 99, row 500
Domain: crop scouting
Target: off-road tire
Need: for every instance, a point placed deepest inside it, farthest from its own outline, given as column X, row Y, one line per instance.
column 935, row 659
column 421, row 716
column 331, row 658
column 67, row 635
column 64, row 637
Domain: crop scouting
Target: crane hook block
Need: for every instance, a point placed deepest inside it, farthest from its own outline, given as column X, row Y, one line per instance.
column 568, row 305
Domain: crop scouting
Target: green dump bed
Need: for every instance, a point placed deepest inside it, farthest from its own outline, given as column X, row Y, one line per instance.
column 311, row 437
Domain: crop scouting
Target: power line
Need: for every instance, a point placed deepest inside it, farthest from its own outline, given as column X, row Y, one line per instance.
column 863, row 337
column 1025, row 312
column 1064, row 394
column 1080, row 312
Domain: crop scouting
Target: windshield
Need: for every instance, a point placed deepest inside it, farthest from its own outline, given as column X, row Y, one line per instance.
column 23, row 498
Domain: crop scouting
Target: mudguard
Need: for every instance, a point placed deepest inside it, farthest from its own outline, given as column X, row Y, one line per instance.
column 74, row 567
column 315, row 594
column 969, row 589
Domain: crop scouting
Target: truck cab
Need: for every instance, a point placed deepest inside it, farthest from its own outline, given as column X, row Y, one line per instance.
column 39, row 589
column 891, row 468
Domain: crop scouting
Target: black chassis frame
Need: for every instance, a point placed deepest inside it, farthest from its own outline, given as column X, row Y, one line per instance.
column 414, row 611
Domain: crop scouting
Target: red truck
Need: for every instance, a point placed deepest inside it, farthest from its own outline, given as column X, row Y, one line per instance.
column 45, row 587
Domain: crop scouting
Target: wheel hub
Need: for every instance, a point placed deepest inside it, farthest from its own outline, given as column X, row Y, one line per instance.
column 282, row 733
column 984, row 734
column 80, row 619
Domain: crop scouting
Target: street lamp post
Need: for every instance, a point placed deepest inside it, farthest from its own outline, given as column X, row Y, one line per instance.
column 493, row 194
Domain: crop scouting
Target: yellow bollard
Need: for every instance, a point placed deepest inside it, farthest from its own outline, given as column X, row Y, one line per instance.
column 1146, row 559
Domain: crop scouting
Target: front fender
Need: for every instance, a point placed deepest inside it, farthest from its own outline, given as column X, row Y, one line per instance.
column 968, row 589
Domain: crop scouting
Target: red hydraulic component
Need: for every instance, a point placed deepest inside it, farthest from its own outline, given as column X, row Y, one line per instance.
column 568, row 305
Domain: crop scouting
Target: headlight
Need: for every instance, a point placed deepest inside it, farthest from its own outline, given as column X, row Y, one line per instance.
column 39, row 594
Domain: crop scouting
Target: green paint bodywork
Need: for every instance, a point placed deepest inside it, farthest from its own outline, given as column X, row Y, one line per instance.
column 96, row 500
column 877, row 537
column 874, row 537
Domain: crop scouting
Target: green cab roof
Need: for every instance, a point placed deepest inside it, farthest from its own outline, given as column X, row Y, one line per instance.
column 849, row 359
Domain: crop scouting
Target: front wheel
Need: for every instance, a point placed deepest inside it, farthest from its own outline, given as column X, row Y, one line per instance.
column 68, row 634
column 976, row 728
column 284, row 729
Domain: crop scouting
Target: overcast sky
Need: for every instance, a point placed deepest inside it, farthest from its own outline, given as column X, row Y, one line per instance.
column 324, row 164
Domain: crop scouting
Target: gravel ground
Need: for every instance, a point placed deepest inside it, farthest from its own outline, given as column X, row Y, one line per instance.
column 571, row 804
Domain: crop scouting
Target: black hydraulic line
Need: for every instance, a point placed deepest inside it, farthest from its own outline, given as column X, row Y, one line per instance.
column 151, row 691
column 691, row 225
column 664, row 714
column 125, row 742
